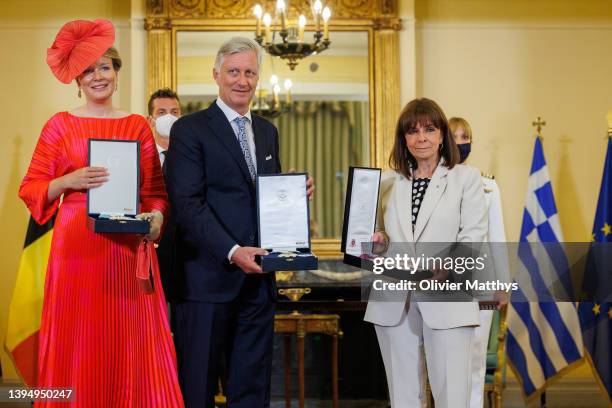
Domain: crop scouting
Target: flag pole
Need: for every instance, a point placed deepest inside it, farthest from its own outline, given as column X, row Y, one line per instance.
column 539, row 124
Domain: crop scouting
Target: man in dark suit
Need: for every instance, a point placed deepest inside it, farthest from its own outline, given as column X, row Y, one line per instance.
column 164, row 109
column 225, row 305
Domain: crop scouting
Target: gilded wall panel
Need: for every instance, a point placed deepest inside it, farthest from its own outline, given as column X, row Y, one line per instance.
column 159, row 60
column 354, row 8
column 388, row 7
column 155, row 7
column 188, row 8
column 231, row 9
column 237, row 9
column 386, row 96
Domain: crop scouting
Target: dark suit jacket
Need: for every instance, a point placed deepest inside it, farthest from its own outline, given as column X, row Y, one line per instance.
column 166, row 252
column 213, row 200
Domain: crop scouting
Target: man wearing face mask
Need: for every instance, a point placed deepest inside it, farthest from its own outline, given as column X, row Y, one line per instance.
column 462, row 134
column 164, row 109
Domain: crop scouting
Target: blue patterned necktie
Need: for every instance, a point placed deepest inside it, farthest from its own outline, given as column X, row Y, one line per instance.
column 244, row 145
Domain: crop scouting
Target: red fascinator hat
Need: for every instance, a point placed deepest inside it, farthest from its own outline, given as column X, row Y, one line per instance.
column 79, row 44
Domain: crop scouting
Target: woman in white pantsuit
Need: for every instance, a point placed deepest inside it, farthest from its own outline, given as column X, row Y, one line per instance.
column 428, row 197
column 462, row 134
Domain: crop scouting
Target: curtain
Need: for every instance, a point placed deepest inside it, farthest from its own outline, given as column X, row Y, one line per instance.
column 324, row 139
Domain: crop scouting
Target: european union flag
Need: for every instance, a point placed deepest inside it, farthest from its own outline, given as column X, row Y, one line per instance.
column 596, row 316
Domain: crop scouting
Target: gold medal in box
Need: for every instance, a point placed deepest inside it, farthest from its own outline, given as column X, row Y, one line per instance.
column 283, row 220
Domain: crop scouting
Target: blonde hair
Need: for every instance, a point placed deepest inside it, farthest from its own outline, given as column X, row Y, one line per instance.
column 456, row 123
column 113, row 54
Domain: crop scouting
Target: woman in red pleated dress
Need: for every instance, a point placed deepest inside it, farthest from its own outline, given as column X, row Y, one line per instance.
column 101, row 335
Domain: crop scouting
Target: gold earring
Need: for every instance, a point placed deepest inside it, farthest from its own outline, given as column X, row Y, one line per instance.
column 79, row 94
column 116, row 86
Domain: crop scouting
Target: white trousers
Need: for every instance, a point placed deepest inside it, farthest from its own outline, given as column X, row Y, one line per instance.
column 479, row 358
column 447, row 356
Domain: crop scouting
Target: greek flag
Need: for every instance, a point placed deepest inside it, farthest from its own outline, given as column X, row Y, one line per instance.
column 544, row 338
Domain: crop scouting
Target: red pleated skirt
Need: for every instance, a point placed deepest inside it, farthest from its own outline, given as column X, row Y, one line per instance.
column 101, row 335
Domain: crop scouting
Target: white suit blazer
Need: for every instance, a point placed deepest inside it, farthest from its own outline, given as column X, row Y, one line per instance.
column 453, row 210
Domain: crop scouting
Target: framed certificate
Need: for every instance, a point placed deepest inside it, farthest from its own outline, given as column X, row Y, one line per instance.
column 283, row 222
column 360, row 210
column 113, row 206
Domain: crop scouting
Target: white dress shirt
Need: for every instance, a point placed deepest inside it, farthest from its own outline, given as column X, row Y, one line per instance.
column 231, row 114
column 162, row 157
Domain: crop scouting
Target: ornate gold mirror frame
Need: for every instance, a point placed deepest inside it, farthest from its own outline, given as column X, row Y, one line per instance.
column 377, row 17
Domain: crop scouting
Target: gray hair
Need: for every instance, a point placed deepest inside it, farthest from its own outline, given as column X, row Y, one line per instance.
column 235, row 45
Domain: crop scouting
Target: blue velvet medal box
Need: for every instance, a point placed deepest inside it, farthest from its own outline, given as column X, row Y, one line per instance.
column 288, row 261
column 283, row 221
column 111, row 225
column 112, row 207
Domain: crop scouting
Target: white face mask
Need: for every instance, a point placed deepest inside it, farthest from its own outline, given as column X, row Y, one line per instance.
column 164, row 123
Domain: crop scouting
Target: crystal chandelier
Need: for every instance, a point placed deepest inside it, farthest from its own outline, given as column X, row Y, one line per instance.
column 272, row 107
column 291, row 45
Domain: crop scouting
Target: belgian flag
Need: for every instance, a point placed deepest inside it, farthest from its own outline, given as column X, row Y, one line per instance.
column 26, row 305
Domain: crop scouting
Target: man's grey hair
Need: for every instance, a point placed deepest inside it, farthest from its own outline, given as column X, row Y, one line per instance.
column 235, row 45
